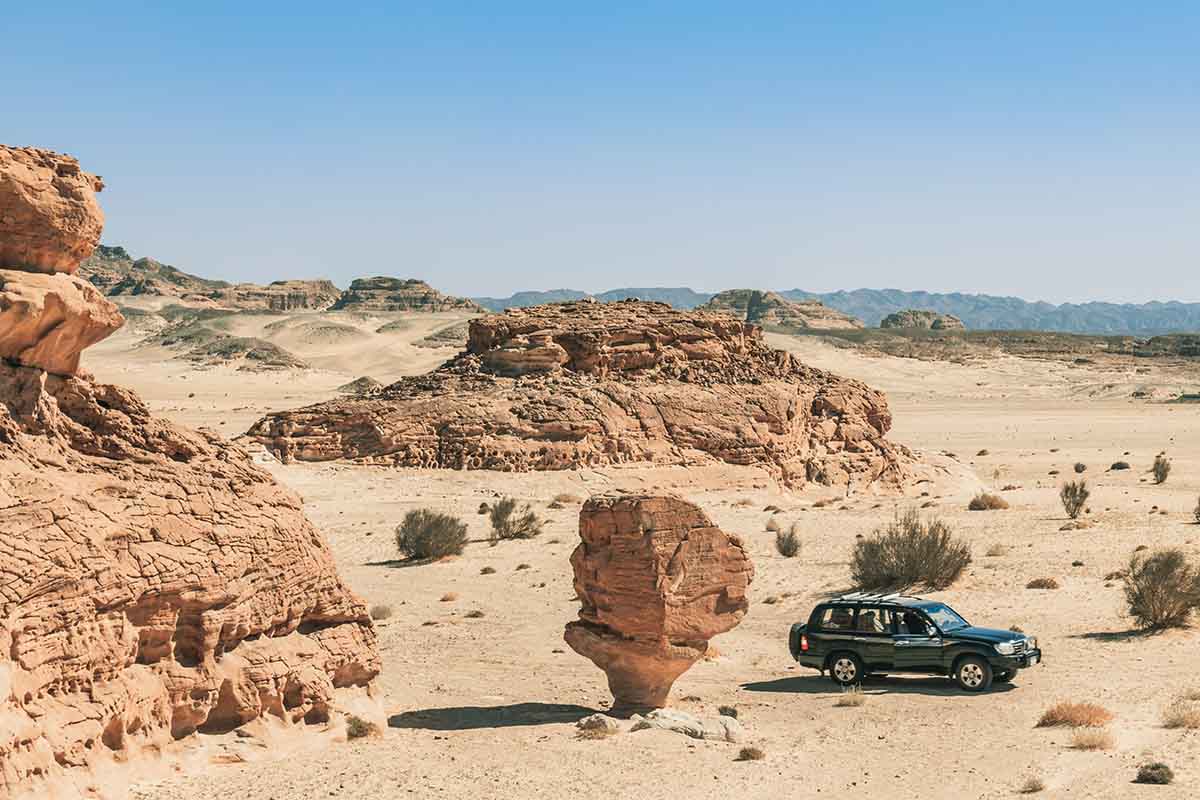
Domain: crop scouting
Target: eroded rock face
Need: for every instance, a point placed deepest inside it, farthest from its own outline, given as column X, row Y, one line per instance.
column 584, row 384
column 294, row 295
column 396, row 294
column 46, row 321
column 656, row 580
column 769, row 308
column 49, row 217
column 929, row 320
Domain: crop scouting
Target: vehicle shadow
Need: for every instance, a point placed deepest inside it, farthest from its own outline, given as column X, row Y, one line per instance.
column 466, row 718
column 891, row 684
column 1114, row 636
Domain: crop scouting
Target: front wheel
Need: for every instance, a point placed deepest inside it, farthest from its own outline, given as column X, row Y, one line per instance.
column 846, row 669
column 973, row 674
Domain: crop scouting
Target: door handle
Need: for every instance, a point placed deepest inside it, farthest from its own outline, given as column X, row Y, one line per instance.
column 902, row 643
column 860, row 638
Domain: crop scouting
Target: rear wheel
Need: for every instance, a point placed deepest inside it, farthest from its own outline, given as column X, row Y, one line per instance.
column 973, row 674
column 846, row 669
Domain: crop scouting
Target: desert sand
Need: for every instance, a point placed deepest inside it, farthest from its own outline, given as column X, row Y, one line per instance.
column 486, row 706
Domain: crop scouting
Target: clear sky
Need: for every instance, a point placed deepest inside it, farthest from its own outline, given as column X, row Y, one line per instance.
column 1049, row 150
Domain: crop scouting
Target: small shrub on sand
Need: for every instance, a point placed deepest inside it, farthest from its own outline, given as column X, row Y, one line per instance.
column 1182, row 713
column 987, row 502
column 1119, row 466
column 381, row 612
column 1080, row 467
column 750, row 754
column 1161, row 468
column 787, row 543
column 425, row 534
column 1074, row 496
column 510, row 522
column 488, row 571
column 982, row 453
column 567, row 499
column 1032, row 785
column 475, row 614
column 1075, row 715
column 1155, row 772
column 852, row 697
column 1162, row 589
column 773, row 525
column 357, row 727
column 1092, row 739
column 909, row 552
column 524, row 566
column 727, row 711
column 1042, row 583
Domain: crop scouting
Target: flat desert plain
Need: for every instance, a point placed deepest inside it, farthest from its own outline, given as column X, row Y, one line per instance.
column 484, row 705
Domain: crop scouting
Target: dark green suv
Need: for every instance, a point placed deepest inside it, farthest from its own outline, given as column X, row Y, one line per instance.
column 859, row 634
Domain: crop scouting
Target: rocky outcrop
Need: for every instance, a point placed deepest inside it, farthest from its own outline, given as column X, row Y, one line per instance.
column 294, row 295
column 771, row 309
column 157, row 583
column 395, row 294
column 117, row 274
column 568, row 385
column 49, row 217
column 929, row 320
column 655, row 580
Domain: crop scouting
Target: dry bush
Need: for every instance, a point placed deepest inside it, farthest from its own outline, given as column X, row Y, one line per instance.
column 1155, row 772
column 997, row 550
column 787, row 543
column 1042, row 583
column 1092, row 739
column 982, row 453
column 1075, row 715
column 773, row 525
column 1032, row 785
column 488, row 571
column 1162, row 589
column 509, row 522
column 987, row 502
column 909, row 552
column 1161, row 468
column 1080, row 467
column 728, row 711
column 852, row 697
column 425, row 534
column 357, row 727
column 750, row 754
column 824, row 501
column 567, row 499
column 1074, row 496
column 1182, row 713
column 381, row 612
column 524, row 566
column 475, row 614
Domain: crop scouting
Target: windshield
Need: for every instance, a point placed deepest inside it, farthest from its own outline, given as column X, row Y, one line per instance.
column 945, row 618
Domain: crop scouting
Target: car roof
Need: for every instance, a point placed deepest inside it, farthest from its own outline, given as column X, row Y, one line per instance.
column 879, row 597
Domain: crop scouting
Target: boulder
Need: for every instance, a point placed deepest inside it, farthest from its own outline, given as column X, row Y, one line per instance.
column 655, row 580
column 721, row 729
column 47, row 320
column 49, row 218
column 928, row 320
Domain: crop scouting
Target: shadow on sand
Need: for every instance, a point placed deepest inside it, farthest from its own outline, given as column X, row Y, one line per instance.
column 465, row 718
column 816, row 684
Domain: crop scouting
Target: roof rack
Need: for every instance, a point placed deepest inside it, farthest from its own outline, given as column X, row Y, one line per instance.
column 875, row 596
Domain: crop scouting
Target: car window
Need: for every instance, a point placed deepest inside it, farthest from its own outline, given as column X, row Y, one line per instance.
column 874, row 620
column 836, row 618
column 911, row 623
column 945, row 618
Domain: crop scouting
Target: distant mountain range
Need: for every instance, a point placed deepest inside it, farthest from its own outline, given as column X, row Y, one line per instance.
column 679, row 297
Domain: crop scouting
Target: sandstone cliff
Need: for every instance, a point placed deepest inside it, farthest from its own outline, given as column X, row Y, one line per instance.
column 769, row 308
column 395, row 294
column 929, row 320
column 567, row 385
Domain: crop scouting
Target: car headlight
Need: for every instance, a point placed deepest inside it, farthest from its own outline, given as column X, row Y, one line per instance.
column 1032, row 643
column 1006, row 648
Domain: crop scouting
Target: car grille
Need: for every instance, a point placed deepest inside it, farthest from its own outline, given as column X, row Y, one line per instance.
column 1020, row 647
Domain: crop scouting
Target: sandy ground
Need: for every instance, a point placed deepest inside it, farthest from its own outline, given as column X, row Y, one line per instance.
column 484, row 707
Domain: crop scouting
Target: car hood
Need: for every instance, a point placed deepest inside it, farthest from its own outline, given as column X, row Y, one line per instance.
column 988, row 635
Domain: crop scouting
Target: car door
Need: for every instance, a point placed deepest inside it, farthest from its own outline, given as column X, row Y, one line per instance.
column 831, row 628
column 874, row 634
column 918, row 645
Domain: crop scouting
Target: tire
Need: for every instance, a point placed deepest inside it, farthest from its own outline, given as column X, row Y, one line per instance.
column 846, row 669
column 973, row 674
column 1004, row 676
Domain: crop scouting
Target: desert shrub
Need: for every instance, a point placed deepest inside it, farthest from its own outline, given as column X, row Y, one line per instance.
column 983, row 452
column 381, row 612
column 488, row 571
column 1118, row 466
column 1155, row 772
column 851, row 697
column 1074, row 496
column 909, row 552
column 1162, row 589
column 426, row 534
column 1092, row 739
column 524, row 566
column 773, row 525
column 1032, row 785
column 1042, row 583
column 1161, row 468
column 727, row 711
column 567, row 499
column 1080, row 467
column 475, row 614
column 987, row 502
column 509, row 522
column 357, row 727
column 750, row 754
column 1075, row 715
column 771, row 599
column 788, row 542
column 1182, row 713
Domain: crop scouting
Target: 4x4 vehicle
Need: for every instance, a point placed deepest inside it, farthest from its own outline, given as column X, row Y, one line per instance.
column 859, row 634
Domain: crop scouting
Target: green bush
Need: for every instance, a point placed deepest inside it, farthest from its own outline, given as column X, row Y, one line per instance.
column 1162, row 589
column 509, row 522
column 909, row 552
column 1155, row 772
column 788, row 542
column 357, row 727
column 1161, row 468
column 426, row 534
column 1074, row 496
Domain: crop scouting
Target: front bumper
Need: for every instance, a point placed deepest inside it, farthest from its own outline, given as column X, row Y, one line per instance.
column 1024, row 661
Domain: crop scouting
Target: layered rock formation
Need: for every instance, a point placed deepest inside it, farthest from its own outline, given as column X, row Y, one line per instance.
column 769, row 308
column 117, row 274
column 293, row 295
column 157, row 583
column 655, row 580
column 566, row 385
column 395, row 294
column 929, row 320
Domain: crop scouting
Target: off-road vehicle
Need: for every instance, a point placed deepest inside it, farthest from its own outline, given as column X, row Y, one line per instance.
column 859, row 634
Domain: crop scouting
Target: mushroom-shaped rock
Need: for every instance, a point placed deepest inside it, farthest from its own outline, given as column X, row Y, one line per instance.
column 46, row 321
column 656, row 580
column 49, row 218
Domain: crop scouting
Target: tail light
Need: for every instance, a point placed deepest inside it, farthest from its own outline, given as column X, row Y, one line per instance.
column 803, row 643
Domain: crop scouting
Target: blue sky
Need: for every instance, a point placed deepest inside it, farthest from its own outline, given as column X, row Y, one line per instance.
column 1045, row 150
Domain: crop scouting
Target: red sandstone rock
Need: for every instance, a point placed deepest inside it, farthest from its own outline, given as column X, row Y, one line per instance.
column 49, row 217
column 656, row 580
column 574, row 384
column 47, row 320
